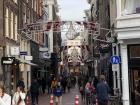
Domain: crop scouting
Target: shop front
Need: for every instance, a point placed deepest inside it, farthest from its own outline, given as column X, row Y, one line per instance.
column 134, row 73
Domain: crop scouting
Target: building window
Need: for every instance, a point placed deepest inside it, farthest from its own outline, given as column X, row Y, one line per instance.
column 24, row 13
column 15, row 30
column 28, row 15
column 32, row 3
column 35, row 5
column 134, row 86
column 10, row 24
column 134, row 51
column 7, row 22
column 12, row 28
column 130, row 7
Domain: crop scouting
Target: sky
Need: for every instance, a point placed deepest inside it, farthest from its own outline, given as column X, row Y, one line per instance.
column 72, row 9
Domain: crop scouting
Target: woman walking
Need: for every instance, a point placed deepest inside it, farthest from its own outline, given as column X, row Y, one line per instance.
column 58, row 94
column 19, row 97
column 5, row 99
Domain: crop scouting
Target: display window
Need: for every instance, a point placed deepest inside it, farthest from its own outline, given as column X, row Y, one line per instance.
column 134, row 73
column 130, row 7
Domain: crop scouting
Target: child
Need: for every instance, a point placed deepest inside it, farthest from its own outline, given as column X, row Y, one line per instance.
column 58, row 94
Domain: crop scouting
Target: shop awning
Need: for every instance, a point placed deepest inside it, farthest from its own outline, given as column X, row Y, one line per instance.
column 30, row 63
column 26, row 62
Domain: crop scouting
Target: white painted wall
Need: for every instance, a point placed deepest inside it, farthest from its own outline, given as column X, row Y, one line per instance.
column 125, row 79
column 127, row 32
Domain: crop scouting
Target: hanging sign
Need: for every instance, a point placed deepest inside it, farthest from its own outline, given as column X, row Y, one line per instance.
column 7, row 60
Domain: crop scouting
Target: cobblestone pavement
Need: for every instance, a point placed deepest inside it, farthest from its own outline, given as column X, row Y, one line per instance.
column 67, row 99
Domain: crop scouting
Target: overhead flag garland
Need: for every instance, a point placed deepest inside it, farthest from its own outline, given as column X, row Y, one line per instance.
column 61, row 25
column 93, row 28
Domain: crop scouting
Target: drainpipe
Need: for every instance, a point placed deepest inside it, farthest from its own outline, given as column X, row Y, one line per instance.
column 92, row 41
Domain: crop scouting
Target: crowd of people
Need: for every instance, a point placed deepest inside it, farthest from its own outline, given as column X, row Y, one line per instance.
column 39, row 86
column 93, row 89
column 54, row 85
column 57, row 86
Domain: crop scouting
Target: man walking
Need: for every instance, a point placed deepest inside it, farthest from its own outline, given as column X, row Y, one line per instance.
column 102, row 91
column 34, row 89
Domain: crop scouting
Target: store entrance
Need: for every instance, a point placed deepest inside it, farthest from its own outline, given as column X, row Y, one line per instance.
column 135, row 86
column 134, row 73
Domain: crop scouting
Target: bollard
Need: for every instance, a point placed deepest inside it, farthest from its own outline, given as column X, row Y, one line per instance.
column 76, row 100
column 96, row 101
column 51, row 100
column 76, row 97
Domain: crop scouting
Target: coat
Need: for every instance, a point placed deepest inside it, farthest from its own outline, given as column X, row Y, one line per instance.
column 5, row 100
column 16, row 97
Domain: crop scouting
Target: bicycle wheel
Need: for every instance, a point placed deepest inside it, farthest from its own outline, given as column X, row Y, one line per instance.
column 113, row 103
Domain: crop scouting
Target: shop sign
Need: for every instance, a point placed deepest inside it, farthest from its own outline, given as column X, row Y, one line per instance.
column 46, row 55
column 23, row 53
column 115, row 67
column 43, row 49
column 28, row 58
column 14, row 51
column 7, row 60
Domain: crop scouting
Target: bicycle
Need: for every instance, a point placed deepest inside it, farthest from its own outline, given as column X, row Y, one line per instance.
column 115, row 100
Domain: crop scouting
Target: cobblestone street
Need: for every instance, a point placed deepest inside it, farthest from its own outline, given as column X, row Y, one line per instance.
column 68, row 98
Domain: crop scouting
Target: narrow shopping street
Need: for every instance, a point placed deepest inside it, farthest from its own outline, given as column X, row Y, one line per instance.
column 68, row 98
column 47, row 46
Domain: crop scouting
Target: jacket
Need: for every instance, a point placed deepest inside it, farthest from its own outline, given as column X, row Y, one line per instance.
column 58, row 91
column 102, row 91
column 5, row 100
column 16, row 97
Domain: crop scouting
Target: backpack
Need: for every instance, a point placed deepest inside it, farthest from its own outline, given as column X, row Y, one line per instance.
column 87, row 90
column 58, row 92
column 54, row 84
column 81, row 89
column 28, row 99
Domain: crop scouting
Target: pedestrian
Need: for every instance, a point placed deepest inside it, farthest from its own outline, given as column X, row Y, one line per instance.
column 54, row 84
column 95, row 81
column 89, row 91
column 58, row 94
column 21, row 83
column 49, row 81
column 40, row 85
column 81, row 89
column 43, row 85
column 102, row 91
column 64, row 83
column 34, row 90
column 19, row 97
column 5, row 99
column 68, row 84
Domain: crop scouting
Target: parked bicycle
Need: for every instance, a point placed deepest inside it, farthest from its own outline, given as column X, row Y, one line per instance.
column 116, row 99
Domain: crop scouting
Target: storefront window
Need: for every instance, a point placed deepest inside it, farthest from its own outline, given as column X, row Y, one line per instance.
column 134, row 51
column 134, row 72
column 130, row 7
column 135, row 86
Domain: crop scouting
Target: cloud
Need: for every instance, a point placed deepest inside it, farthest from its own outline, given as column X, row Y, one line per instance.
column 72, row 9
